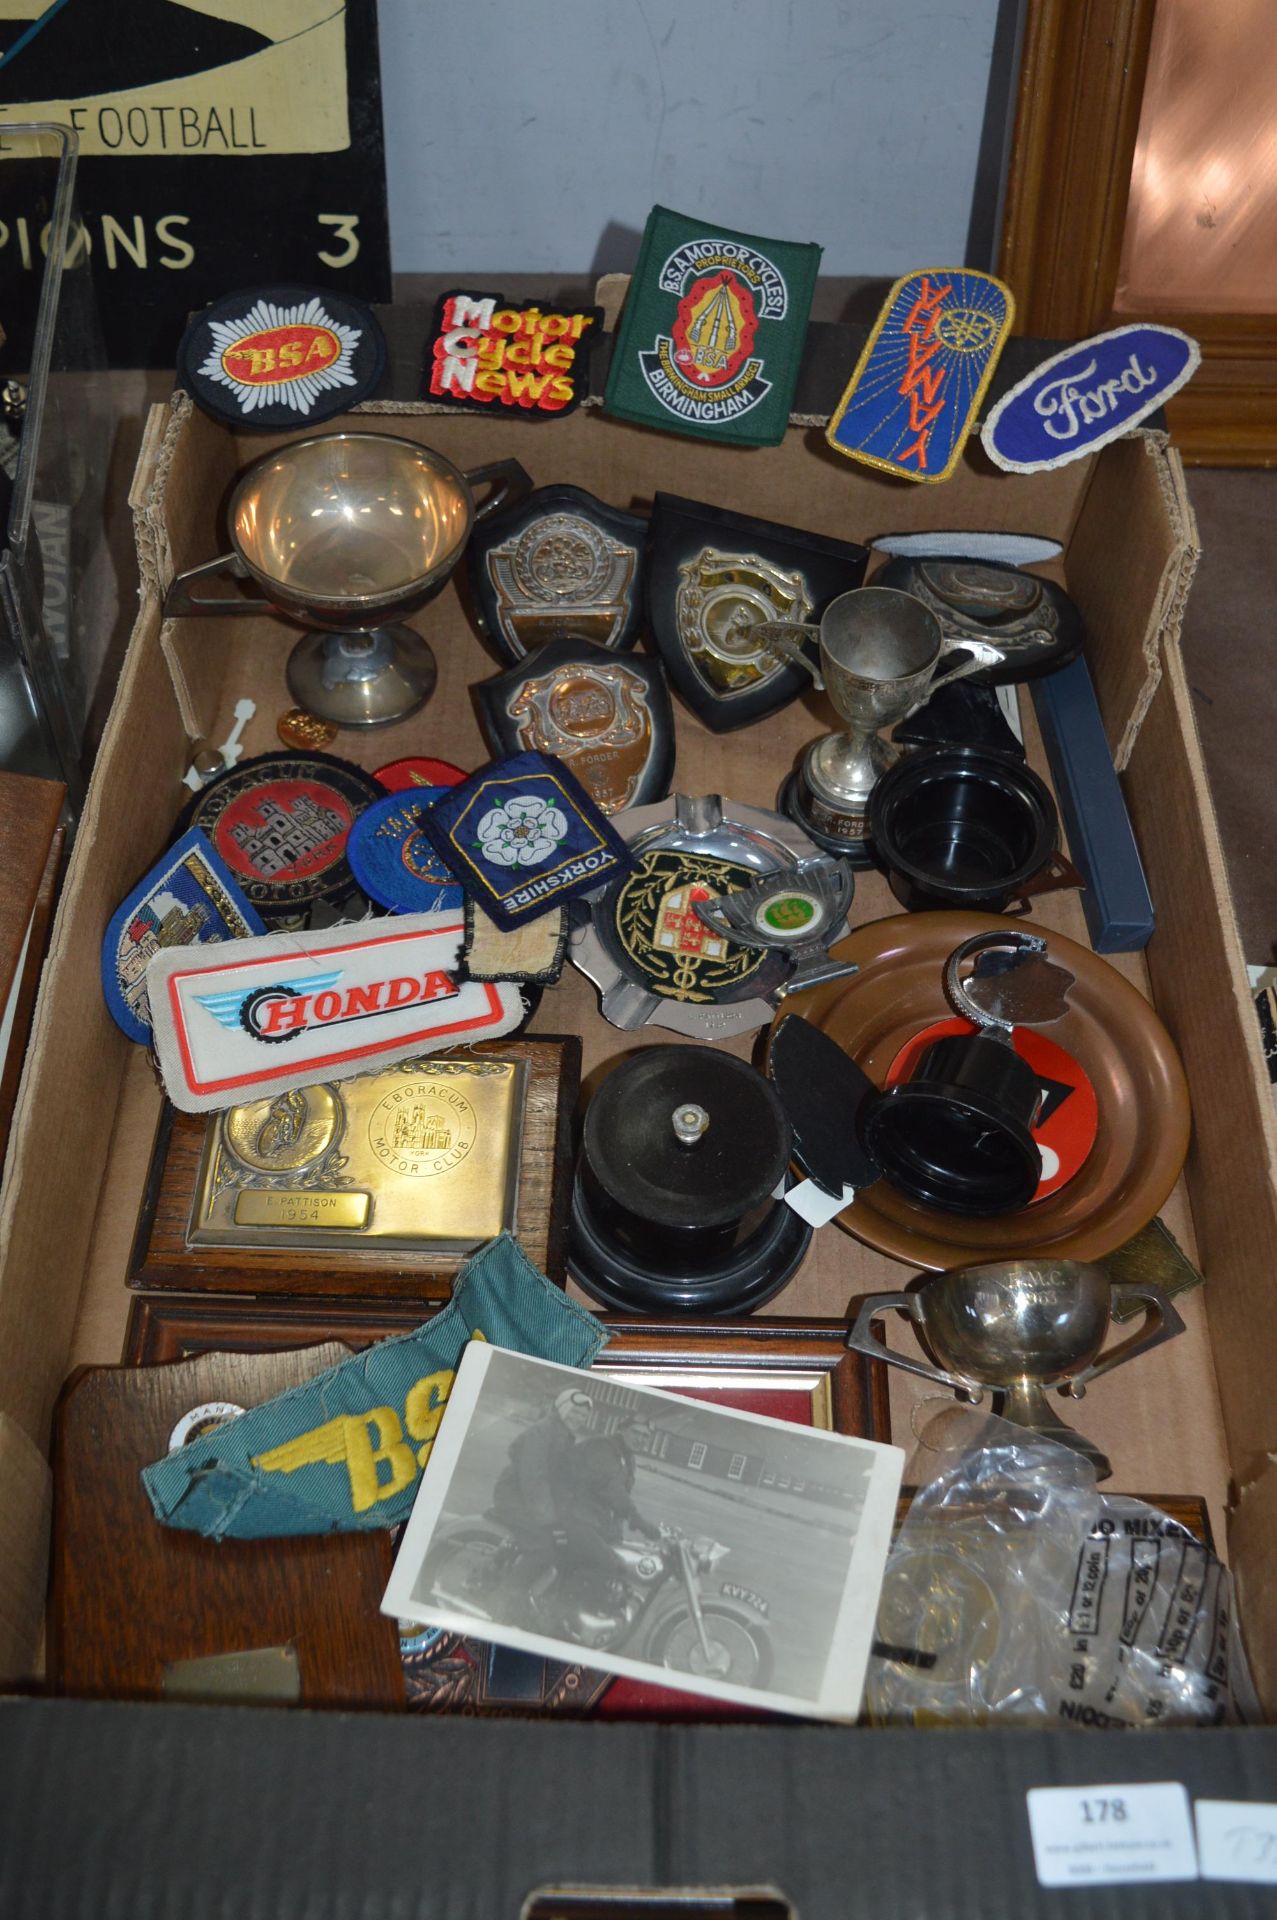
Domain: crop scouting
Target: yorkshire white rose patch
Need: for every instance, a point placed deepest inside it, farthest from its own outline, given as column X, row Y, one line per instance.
column 522, row 836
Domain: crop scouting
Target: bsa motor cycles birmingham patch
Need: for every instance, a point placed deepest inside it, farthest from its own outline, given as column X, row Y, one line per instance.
column 917, row 387
column 281, row 357
column 523, row 836
column 1079, row 400
column 712, row 332
column 292, row 1009
column 484, row 352
column 188, row 899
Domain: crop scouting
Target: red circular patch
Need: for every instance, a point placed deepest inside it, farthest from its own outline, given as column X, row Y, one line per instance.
column 419, row 773
column 1069, row 1114
column 284, row 830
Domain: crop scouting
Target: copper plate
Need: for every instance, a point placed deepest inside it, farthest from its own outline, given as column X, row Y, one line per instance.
column 1111, row 1030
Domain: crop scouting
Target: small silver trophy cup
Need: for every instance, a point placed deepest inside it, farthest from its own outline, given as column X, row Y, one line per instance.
column 1018, row 1328
column 879, row 654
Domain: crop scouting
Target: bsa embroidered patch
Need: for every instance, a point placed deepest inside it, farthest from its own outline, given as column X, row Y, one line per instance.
column 523, row 836
column 713, row 331
column 346, row 1449
column 1086, row 396
column 189, row 899
column 281, row 356
column 917, row 388
column 664, row 938
column 292, row 1009
column 394, row 862
column 485, row 352
column 280, row 822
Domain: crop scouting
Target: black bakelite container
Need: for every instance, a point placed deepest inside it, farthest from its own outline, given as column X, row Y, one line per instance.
column 956, row 1135
column 660, row 1225
column 961, row 827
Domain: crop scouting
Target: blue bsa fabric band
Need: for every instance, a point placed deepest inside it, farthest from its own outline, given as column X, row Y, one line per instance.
column 346, row 1450
column 523, row 836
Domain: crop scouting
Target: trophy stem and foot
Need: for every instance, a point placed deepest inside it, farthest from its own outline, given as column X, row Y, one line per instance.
column 367, row 679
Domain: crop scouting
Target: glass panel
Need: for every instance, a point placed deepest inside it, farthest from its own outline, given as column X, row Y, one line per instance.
column 1201, row 229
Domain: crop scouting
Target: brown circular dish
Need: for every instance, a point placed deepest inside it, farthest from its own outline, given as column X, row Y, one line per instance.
column 1111, row 1030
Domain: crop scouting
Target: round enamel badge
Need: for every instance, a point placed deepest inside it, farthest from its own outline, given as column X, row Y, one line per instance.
column 419, row 772
column 281, row 356
column 392, row 859
column 280, row 822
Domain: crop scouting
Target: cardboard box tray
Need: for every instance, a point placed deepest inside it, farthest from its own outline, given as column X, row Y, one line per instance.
column 1197, row 1415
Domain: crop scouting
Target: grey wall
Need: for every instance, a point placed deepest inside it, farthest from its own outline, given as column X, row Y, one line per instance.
column 534, row 135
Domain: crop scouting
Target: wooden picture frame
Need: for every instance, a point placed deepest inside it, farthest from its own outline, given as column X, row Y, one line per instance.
column 755, row 1359
column 1080, row 92
column 165, row 1258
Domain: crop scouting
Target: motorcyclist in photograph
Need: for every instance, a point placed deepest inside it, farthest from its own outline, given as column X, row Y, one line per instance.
column 566, row 1497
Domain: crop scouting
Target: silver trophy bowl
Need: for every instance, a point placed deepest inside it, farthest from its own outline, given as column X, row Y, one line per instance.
column 348, row 533
column 1018, row 1328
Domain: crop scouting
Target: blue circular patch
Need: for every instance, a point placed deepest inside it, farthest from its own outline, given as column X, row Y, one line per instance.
column 392, row 859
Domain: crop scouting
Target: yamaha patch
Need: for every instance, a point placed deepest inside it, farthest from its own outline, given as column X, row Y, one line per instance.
column 523, row 836
column 918, row 385
column 713, row 332
column 281, row 357
column 188, row 899
column 486, row 353
column 291, row 1009
column 1079, row 400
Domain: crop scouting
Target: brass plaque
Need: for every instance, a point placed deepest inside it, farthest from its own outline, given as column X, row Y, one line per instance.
column 422, row 1156
column 326, row 1210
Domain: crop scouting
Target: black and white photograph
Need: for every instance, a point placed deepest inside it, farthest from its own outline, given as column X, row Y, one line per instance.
column 721, row 1551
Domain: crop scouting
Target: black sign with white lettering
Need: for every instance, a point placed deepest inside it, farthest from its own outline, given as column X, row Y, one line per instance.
column 222, row 142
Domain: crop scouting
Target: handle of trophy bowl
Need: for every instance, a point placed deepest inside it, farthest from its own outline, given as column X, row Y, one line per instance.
column 509, row 481
column 862, row 1339
column 960, row 672
column 183, row 599
column 788, row 638
column 1161, row 1322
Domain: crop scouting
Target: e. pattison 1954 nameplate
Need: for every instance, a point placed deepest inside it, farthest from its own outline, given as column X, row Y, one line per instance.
column 422, row 1156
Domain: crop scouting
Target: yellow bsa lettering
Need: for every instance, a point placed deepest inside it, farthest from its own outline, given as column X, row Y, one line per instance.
column 378, row 1459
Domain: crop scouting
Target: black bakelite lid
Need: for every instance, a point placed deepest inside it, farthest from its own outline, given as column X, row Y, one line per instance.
column 635, row 1154
column 822, row 1091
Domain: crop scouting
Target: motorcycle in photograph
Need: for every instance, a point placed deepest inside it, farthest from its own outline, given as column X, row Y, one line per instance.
column 656, row 1611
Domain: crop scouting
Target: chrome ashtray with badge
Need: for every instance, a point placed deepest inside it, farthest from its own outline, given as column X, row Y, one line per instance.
column 797, row 913
column 654, row 959
column 1034, row 623
column 559, row 566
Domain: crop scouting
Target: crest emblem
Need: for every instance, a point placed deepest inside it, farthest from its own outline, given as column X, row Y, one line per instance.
column 664, row 938
column 280, row 356
column 722, row 597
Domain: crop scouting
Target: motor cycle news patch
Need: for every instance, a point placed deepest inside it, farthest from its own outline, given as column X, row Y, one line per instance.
column 1086, row 396
column 281, row 356
column 485, row 352
column 255, row 1017
column 345, row 1451
column 713, row 331
column 916, row 392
